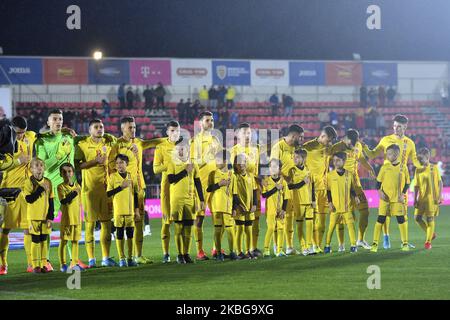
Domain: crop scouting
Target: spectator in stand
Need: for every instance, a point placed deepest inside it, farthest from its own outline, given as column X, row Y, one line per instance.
column 349, row 122
column 221, row 93
column 203, row 96
column 363, row 97
column 334, row 119
column 148, row 96
column 381, row 97
column 224, row 118
column 106, row 109
column 181, row 109
column 288, row 104
column 33, row 121
column 371, row 122
column 381, row 124
column 390, row 94
column 212, row 95
column 121, row 95
column 84, row 121
column 137, row 96
column 130, row 98
column 324, row 118
column 230, row 96
column 234, row 119
column 372, row 97
column 68, row 118
column 274, row 102
column 360, row 121
column 160, row 93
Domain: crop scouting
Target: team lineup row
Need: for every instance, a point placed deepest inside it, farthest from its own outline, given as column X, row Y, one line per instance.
column 197, row 173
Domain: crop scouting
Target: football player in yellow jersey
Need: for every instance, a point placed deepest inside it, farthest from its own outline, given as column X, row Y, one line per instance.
column 221, row 200
column 340, row 191
column 317, row 162
column 352, row 147
column 277, row 195
column 133, row 148
column 427, row 194
column 252, row 151
column 123, row 188
column 69, row 193
column 303, row 200
column 91, row 156
column 184, row 179
column 284, row 151
column 204, row 147
column 15, row 177
column 38, row 194
column 163, row 156
column 392, row 184
column 244, row 205
column 407, row 152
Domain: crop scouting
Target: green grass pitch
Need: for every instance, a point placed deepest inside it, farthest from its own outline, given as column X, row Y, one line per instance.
column 418, row 274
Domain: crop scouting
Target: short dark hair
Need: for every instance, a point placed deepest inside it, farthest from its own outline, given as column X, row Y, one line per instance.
column 393, row 147
column 94, row 121
column 67, row 164
column 123, row 157
column 353, row 135
column 295, row 128
column 400, row 118
column 243, row 125
column 54, row 111
column 204, row 114
column 424, row 151
column 236, row 162
column 172, row 123
column 19, row 122
column 330, row 132
column 341, row 155
column 126, row 120
column 301, row 152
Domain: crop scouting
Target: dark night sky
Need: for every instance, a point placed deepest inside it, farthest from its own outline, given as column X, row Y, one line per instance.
column 272, row 29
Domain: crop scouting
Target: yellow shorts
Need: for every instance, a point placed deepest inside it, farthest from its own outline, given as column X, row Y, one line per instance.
column 182, row 212
column 427, row 209
column 165, row 208
column 245, row 216
column 38, row 227
column 16, row 214
column 343, row 217
column 391, row 208
column 96, row 207
column 303, row 211
column 321, row 201
column 224, row 219
column 71, row 233
column 124, row 221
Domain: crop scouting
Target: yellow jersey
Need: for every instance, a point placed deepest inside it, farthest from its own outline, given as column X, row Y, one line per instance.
column 428, row 182
column 203, row 153
column 243, row 186
column 393, row 179
column 274, row 203
column 163, row 156
column 285, row 153
column 183, row 191
column 71, row 212
column 221, row 199
column 123, row 201
column 38, row 210
column 304, row 194
column 317, row 162
column 340, row 186
column 16, row 176
column 252, row 153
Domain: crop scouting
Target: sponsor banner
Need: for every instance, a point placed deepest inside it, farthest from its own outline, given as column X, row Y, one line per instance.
column 109, row 72
column 65, row 71
column 306, row 73
column 21, row 71
column 231, row 73
column 375, row 74
column 343, row 74
column 143, row 72
column 191, row 72
column 269, row 73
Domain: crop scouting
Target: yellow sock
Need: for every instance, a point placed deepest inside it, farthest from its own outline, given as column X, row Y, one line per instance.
column 4, row 243
column 187, row 238
column 421, row 223
column 218, row 237
column 198, row 233
column 44, row 252
column 27, row 246
column 255, row 231
column 89, row 239
column 75, row 252
column 387, row 225
column 120, row 248
column 351, row 233
column 62, row 252
column 363, row 223
column 248, row 238
column 47, row 251
column 35, row 254
column 289, row 230
column 430, row 230
column 377, row 232
column 230, row 235
column 280, row 238
column 165, row 237
column 239, row 237
column 105, row 239
column 130, row 248
column 268, row 237
column 403, row 232
column 340, row 234
column 138, row 239
column 319, row 228
column 333, row 220
column 179, row 237
column 309, row 232
column 300, row 236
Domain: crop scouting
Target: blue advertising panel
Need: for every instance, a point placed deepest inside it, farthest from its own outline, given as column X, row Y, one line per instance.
column 306, row 73
column 109, row 72
column 21, row 71
column 231, row 73
column 375, row 74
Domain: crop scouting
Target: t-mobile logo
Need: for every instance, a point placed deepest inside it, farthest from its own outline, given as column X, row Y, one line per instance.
column 145, row 71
